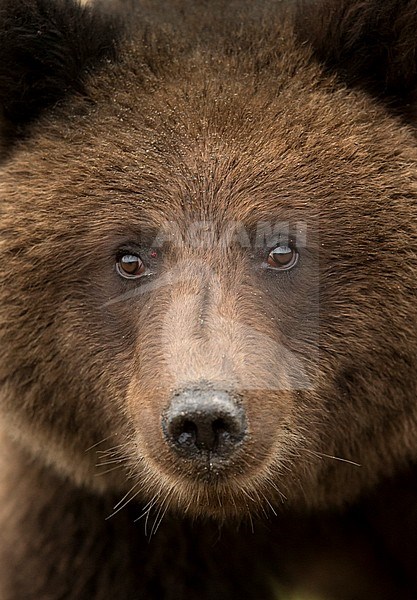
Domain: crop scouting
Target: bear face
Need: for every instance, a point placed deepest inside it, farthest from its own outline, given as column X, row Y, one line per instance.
column 225, row 221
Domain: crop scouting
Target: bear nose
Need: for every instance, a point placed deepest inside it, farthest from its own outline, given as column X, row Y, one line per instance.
column 209, row 421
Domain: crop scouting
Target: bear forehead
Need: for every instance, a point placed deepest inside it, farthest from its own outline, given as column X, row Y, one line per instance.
column 172, row 151
column 212, row 135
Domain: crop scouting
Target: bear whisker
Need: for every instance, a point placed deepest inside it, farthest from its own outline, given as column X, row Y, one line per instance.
column 148, row 507
column 107, row 471
column 125, row 500
column 268, row 503
column 159, row 516
column 339, row 458
column 273, row 485
column 111, row 461
column 98, row 443
column 113, row 448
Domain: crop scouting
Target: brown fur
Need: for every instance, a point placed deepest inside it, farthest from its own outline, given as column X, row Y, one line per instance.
column 228, row 112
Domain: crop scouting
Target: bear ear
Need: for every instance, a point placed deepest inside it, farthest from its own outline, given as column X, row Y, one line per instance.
column 370, row 44
column 46, row 49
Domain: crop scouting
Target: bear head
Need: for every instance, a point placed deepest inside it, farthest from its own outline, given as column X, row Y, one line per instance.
column 208, row 247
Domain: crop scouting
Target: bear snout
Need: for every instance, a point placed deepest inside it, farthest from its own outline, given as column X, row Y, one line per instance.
column 204, row 423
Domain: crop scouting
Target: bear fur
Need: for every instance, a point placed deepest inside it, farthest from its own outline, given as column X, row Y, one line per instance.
column 157, row 129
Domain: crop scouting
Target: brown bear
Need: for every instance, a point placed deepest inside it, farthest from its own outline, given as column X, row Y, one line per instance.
column 208, row 307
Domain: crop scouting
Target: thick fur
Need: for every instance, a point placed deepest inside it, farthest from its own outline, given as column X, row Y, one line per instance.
column 130, row 128
column 368, row 44
column 46, row 52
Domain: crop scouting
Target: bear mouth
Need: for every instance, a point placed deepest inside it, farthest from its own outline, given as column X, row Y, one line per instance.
column 208, row 486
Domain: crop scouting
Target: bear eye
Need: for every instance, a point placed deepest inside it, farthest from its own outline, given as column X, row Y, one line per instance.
column 282, row 258
column 130, row 266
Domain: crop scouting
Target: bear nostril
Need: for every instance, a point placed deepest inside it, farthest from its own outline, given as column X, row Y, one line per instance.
column 204, row 421
column 204, row 433
column 185, row 433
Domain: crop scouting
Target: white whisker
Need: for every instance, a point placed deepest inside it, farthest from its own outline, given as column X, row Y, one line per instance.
column 124, row 501
column 98, row 443
column 344, row 460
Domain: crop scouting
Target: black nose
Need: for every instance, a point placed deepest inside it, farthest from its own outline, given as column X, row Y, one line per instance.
column 204, row 421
